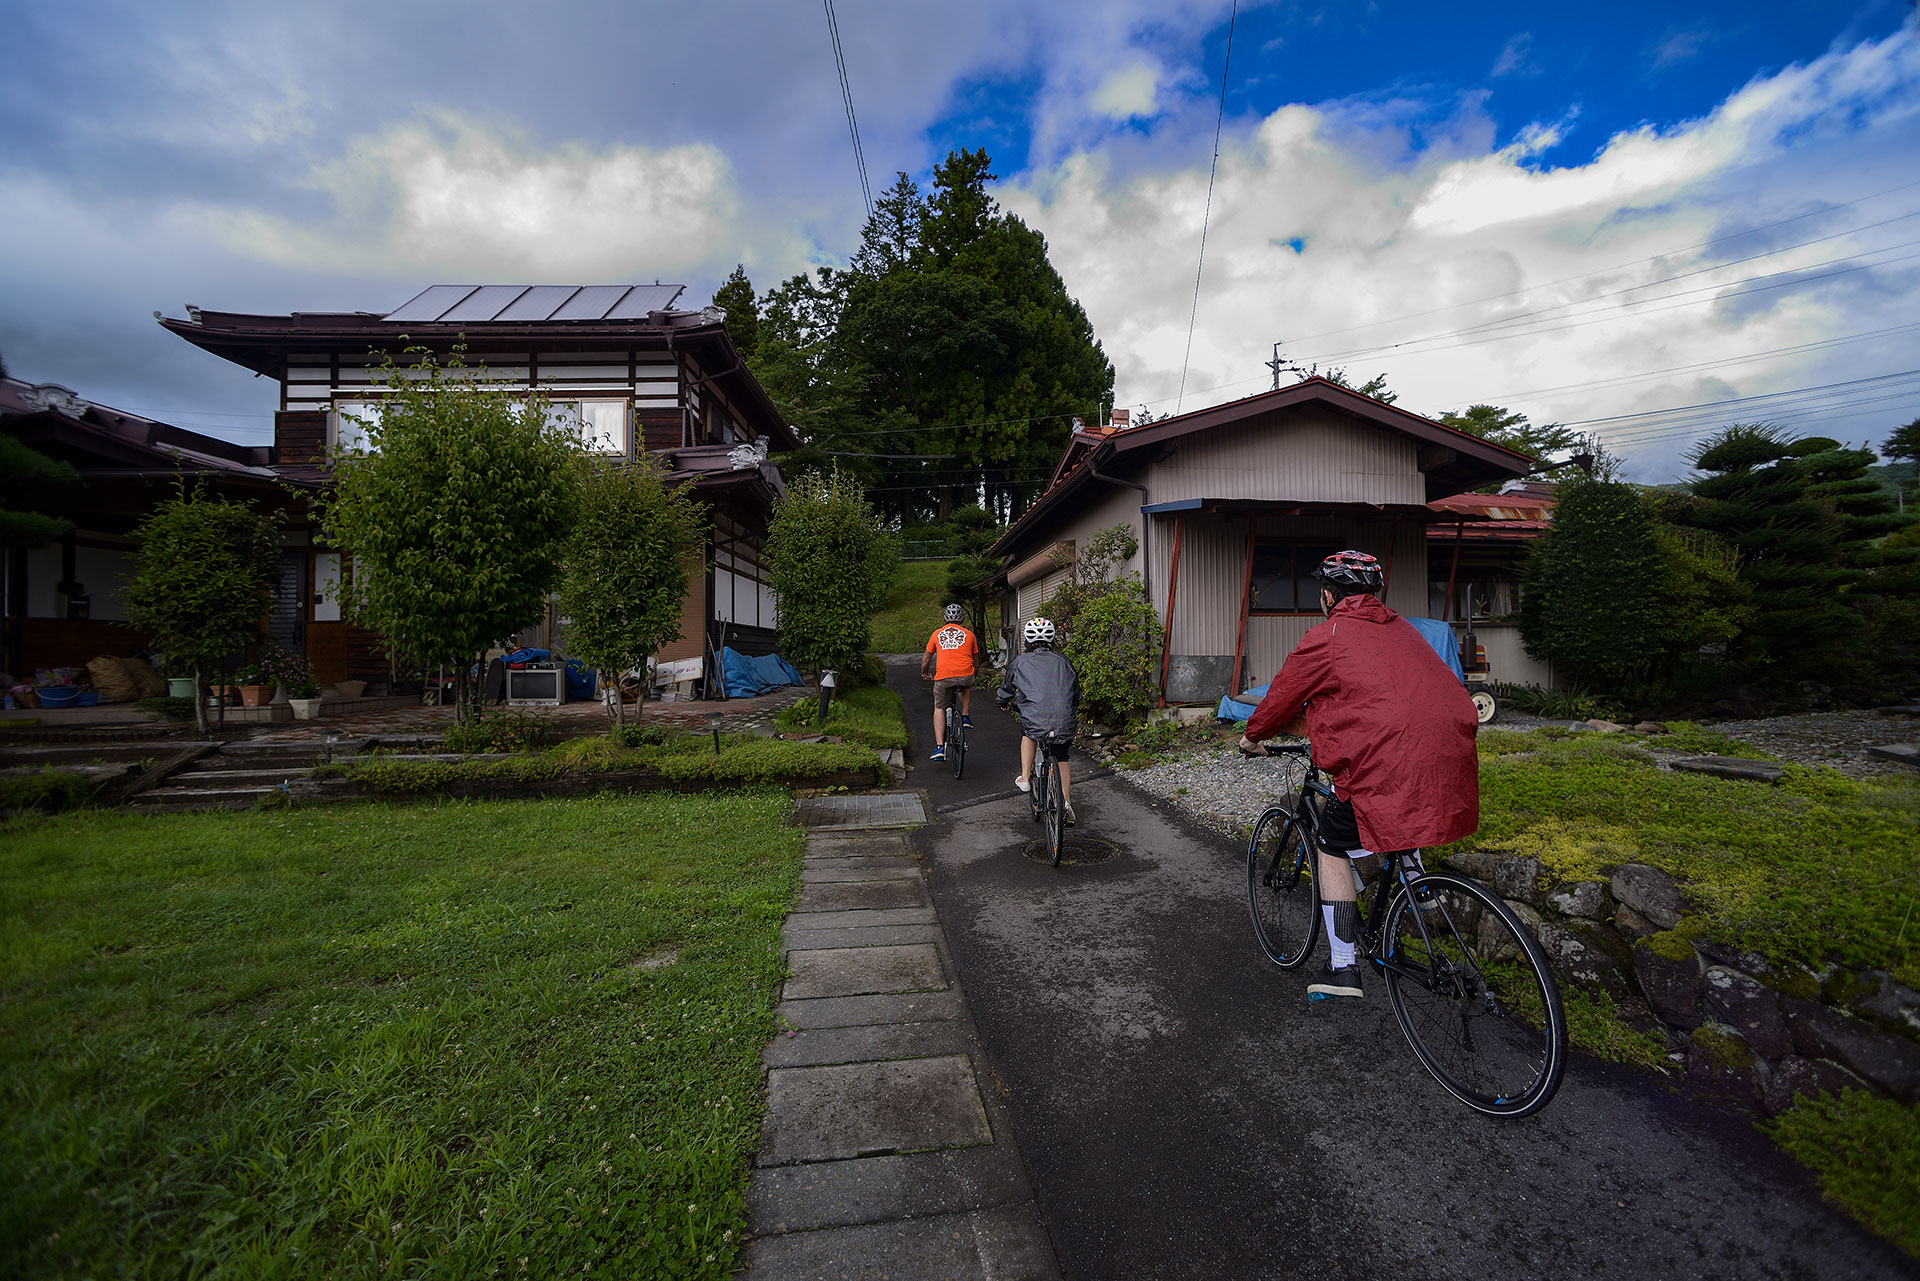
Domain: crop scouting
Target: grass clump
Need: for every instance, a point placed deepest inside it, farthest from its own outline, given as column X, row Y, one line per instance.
column 1685, row 736
column 1865, row 1151
column 49, row 791
column 504, row 730
column 1820, row 868
column 370, row 1042
column 869, row 714
column 678, row 758
column 167, row 708
column 1594, row 1024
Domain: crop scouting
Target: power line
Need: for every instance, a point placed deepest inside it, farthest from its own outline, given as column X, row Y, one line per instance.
column 846, row 97
column 1207, row 215
column 1744, row 400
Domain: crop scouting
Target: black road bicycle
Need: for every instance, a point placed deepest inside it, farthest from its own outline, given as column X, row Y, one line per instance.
column 1044, row 793
column 956, row 740
column 1467, row 980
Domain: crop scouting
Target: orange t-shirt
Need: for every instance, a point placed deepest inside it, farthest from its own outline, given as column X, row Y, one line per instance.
column 958, row 651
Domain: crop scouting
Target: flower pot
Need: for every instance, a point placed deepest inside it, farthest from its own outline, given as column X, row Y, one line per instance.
column 180, row 687
column 255, row 695
column 280, row 696
column 349, row 689
column 305, row 709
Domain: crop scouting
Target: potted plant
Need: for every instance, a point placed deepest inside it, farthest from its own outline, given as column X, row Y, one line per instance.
column 305, row 701
column 254, row 689
column 179, row 680
column 284, row 670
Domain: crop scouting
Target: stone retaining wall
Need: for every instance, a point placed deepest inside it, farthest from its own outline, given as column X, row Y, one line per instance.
column 1743, row 1028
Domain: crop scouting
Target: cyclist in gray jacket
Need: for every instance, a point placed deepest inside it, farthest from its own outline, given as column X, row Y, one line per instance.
column 1045, row 690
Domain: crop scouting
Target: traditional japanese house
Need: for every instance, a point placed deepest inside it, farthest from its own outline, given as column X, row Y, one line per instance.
column 629, row 370
column 1233, row 507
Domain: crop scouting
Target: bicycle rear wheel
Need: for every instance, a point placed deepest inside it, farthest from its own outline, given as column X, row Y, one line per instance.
column 956, row 743
column 1283, row 888
column 1056, row 819
column 1479, row 1006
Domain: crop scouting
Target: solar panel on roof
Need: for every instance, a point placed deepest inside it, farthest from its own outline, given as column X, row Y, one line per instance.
column 643, row 299
column 430, row 303
column 538, row 303
column 482, row 304
column 591, row 303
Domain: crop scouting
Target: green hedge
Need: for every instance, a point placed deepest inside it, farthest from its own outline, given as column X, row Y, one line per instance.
column 685, row 758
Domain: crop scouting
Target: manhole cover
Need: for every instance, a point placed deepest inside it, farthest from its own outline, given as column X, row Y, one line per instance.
column 1075, row 851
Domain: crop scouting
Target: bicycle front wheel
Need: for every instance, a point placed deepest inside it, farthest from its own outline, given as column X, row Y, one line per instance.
column 1473, row 994
column 1056, row 824
column 1283, row 888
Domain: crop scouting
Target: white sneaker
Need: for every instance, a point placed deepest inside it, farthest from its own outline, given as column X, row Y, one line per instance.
column 1020, row 781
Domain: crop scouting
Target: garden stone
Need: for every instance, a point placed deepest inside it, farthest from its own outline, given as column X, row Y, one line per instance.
column 1671, row 982
column 1889, row 1062
column 1587, row 899
column 1889, row 1002
column 1631, row 924
column 1479, row 864
column 1730, row 767
column 1650, row 892
column 1589, row 956
column 1750, row 1007
column 1795, row 1078
column 1605, row 727
column 1518, row 878
column 1650, row 727
column 1719, row 1061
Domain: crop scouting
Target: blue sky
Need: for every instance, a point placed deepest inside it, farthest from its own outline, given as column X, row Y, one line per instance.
column 1485, row 202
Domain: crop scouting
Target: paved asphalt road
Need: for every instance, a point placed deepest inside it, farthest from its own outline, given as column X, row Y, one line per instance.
column 1185, row 1113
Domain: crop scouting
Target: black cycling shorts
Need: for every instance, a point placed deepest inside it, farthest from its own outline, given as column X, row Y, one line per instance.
column 1339, row 830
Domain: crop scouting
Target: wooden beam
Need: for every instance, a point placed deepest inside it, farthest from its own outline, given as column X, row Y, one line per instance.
column 1246, row 603
column 1173, row 584
column 1459, row 533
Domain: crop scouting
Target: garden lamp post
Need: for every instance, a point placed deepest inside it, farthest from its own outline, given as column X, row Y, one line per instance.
column 332, row 741
column 713, row 723
column 828, row 680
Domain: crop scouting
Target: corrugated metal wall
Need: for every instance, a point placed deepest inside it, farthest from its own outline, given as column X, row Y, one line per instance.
column 1507, row 659
column 1301, row 456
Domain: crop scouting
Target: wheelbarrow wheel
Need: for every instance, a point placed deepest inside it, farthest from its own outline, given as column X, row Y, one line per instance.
column 1484, row 706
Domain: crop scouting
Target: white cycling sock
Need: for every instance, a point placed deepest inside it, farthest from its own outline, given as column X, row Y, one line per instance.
column 1342, row 949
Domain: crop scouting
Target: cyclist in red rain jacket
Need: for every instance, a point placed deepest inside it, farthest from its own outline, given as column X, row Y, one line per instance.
column 1391, row 725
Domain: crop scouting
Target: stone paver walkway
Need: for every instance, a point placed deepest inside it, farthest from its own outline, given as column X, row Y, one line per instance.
column 887, row 1151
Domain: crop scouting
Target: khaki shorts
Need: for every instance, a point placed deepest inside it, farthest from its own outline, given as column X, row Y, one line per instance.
column 946, row 693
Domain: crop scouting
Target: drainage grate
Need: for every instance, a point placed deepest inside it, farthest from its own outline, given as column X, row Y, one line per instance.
column 1075, row 851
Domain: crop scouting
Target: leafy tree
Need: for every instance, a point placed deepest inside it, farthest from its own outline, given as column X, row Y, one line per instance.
column 201, row 591
column 1108, row 628
column 1589, row 605
column 1513, row 430
column 1375, row 386
column 30, row 469
column 626, row 567
column 949, row 355
column 735, row 297
column 454, row 517
column 831, row 566
column 1905, row 443
column 971, row 572
column 1758, row 487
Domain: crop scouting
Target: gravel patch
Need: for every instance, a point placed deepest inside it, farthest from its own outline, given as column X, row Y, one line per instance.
column 1227, row 792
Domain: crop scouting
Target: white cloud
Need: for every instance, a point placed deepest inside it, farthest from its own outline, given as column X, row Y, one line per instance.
column 1388, row 233
column 1516, row 58
column 1127, row 92
column 451, row 196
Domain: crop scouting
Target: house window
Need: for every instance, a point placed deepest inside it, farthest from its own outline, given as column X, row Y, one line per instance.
column 601, row 425
column 1483, row 596
column 1282, row 582
column 351, row 419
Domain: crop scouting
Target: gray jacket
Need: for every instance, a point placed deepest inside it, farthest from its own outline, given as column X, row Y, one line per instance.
column 1045, row 690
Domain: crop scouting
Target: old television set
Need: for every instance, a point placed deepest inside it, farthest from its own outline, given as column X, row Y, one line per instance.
column 537, row 686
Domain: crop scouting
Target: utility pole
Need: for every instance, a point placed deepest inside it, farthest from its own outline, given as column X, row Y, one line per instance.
column 1276, row 364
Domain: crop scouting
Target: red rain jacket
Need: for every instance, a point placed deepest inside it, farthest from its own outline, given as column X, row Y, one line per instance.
column 1391, row 725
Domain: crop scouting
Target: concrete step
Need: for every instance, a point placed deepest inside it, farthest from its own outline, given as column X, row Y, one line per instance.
column 268, row 755
column 202, row 779
column 68, row 754
column 171, row 799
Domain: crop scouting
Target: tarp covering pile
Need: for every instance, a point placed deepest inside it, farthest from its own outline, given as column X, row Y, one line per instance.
column 745, row 677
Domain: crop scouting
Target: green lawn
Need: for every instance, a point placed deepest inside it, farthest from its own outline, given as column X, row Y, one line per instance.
column 1820, row 868
column 446, row 1040
column 912, row 610
column 870, row 714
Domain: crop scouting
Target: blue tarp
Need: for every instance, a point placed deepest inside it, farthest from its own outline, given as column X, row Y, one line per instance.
column 746, row 677
column 1432, row 630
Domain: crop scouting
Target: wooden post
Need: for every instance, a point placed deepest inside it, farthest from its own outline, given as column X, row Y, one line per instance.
column 1246, row 603
column 1173, row 584
column 1459, row 532
column 1386, row 574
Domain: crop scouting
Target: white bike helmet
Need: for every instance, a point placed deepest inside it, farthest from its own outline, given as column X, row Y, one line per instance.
column 954, row 613
column 1038, row 630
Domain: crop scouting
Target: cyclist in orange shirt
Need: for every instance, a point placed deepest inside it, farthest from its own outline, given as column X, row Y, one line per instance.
column 953, row 656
